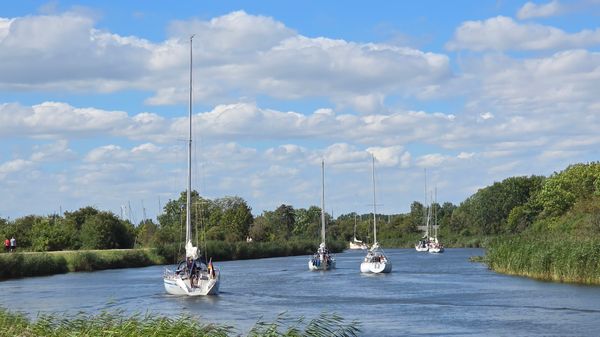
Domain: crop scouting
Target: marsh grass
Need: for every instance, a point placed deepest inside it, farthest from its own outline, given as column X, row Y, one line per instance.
column 15, row 265
column 107, row 324
column 549, row 257
column 325, row 325
column 25, row 264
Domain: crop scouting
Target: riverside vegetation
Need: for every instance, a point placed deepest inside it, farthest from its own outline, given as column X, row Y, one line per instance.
column 532, row 226
column 108, row 324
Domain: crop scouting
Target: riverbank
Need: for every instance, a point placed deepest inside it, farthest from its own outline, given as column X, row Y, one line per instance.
column 26, row 264
column 108, row 324
column 548, row 258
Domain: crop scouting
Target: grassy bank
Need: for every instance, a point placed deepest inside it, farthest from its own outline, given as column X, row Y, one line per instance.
column 15, row 265
column 106, row 324
column 26, row 264
column 552, row 258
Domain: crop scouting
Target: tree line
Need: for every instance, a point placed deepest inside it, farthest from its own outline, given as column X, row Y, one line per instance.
column 568, row 200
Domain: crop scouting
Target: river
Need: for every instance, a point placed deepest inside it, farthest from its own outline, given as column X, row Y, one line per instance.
column 425, row 295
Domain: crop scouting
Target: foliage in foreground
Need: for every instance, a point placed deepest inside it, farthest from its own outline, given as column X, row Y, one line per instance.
column 107, row 324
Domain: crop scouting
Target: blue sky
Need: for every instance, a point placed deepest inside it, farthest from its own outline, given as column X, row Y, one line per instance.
column 93, row 100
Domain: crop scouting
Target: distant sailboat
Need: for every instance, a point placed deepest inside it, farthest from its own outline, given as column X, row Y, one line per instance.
column 193, row 277
column 434, row 245
column 322, row 259
column 355, row 243
column 376, row 261
column 423, row 244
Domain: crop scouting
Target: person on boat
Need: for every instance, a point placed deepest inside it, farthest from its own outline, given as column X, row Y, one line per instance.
column 13, row 244
column 211, row 269
column 192, row 270
column 7, row 245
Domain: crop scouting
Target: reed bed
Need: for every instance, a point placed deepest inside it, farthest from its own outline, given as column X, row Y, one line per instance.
column 24, row 264
column 107, row 324
column 551, row 258
column 16, row 265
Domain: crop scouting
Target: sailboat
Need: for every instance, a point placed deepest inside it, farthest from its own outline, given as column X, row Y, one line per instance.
column 434, row 245
column 423, row 244
column 193, row 277
column 322, row 259
column 376, row 261
column 355, row 243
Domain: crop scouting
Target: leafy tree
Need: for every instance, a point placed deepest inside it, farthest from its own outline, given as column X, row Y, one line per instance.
column 563, row 189
column 236, row 218
column 105, row 231
column 146, row 233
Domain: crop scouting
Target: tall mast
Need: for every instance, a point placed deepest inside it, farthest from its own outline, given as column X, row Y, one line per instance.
column 374, row 205
column 354, row 226
column 426, row 207
column 188, row 204
column 435, row 212
column 323, row 200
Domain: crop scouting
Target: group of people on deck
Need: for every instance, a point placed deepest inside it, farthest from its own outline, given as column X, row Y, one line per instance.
column 193, row 268
column 322, row 256
column 10, row 245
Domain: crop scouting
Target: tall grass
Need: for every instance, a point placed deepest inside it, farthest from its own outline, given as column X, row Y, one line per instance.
column 15, row 265
column 549, row 257
column 107, row 324
column 21, row 265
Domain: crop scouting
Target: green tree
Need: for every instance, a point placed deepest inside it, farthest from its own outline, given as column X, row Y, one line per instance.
column 105, row 231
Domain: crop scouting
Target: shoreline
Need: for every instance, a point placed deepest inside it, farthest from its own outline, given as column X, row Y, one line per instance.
column 30, row 264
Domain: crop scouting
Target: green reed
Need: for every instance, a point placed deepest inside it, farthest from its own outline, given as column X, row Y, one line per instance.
column 548, row 257
column 109, row 324
column 25, row 264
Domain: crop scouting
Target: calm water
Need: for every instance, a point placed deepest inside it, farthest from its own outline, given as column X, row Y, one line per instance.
column 426, row 295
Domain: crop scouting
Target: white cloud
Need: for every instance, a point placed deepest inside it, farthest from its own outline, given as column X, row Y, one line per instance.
column 57, row 151
column 106, row 153
column 432, row 160
column 14, row 166
column 503, row 33
column 388, row 156
column 532, row 10
column 237, row 52
column 486, row 115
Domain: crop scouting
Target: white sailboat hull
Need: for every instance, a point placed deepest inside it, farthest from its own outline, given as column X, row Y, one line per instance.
column 320, row 266
column 376, row 267
column 178, row 285
column 353, row 245
column 421, row 249
column 436, row 250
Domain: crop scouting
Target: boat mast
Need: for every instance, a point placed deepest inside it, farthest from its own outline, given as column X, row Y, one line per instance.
column 435, row 212
column 323, row 201
column 188, row 204
column 354, row 226
column 426, row 207
column 374, row 205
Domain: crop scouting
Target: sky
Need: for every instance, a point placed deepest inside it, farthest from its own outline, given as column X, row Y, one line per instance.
column 453, row 94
